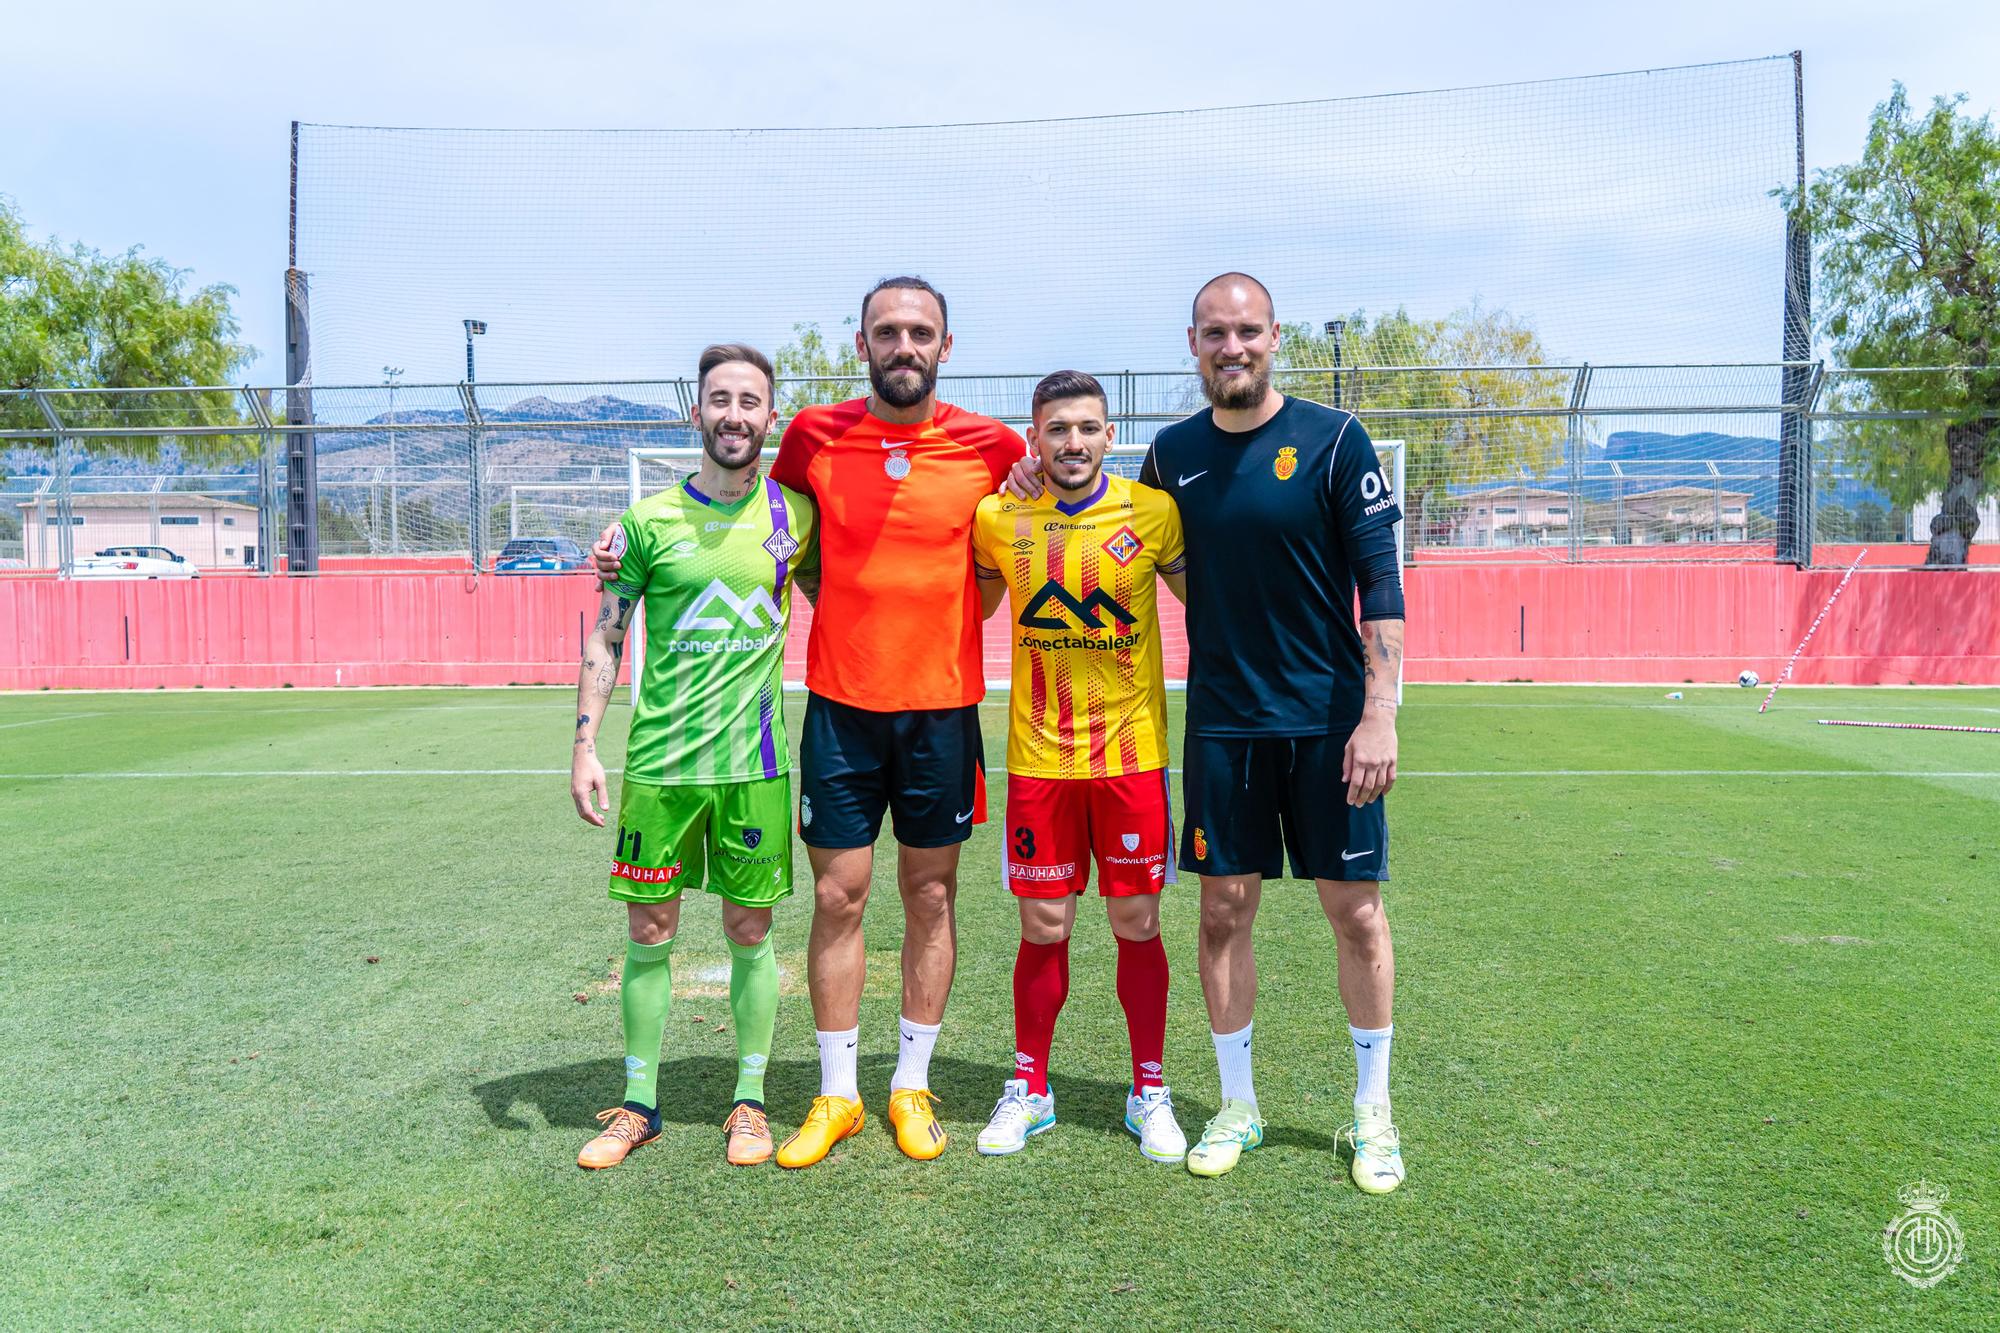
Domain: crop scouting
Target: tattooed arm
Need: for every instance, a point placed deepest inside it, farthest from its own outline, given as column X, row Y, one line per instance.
column 602, row 652
column 1370, row 763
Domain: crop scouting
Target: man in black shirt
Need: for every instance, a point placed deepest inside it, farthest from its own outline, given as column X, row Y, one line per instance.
column 1291, row 705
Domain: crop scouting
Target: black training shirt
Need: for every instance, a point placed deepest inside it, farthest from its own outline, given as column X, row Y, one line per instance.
column 1271, row 517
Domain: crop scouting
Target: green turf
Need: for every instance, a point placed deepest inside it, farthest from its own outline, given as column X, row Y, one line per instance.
column 1666, row 1045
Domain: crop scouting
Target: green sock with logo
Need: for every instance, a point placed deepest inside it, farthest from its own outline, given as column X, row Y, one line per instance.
column 644, row 995
column 753, row 1006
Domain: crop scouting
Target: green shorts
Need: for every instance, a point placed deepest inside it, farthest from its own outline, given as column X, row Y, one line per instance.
column 734, row 838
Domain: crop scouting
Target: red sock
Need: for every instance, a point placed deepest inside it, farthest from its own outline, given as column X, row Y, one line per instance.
column 1041, row 984
column 1142, row 989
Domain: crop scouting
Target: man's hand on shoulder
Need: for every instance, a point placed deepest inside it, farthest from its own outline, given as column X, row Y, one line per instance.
column 1024, row 479
column 606, row 555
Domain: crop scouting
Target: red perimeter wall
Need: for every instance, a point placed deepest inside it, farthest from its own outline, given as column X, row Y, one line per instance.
column 1614, row 622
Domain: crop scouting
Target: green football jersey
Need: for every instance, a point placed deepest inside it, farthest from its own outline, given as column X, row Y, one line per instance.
column 716, row 584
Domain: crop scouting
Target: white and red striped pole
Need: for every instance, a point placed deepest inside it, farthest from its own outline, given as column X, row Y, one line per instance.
column 1910, row 726
column 1786, row 673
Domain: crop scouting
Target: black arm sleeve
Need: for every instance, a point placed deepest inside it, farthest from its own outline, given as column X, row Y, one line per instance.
column 1149, row 470
column 1374, row 559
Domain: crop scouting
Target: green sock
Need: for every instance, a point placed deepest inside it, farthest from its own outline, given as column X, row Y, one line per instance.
column 643, row 997
column 753, row 1006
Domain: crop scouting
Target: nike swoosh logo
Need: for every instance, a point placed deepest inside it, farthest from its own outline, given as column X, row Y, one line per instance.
column 960, row 819
column 1356, row 856
column 897, row 444
column 1365, row 1045
column 850, row 1045
column 1197, row 476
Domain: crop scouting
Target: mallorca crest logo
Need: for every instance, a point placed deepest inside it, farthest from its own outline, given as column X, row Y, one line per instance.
column 1924, row 1245
column 1200, row 845
column 897, row 465
column 1286, row 463
column 1124, row 544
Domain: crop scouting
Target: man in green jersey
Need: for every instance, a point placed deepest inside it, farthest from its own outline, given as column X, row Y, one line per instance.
column 706, row 800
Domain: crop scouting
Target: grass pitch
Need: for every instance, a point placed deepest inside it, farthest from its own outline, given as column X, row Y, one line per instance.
column 298, row 1036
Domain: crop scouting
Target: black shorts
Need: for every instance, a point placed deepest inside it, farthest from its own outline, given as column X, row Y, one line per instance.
column 926, row 766
column 1251, row 801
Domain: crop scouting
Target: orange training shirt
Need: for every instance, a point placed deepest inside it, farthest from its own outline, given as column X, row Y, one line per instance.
column 896, row 626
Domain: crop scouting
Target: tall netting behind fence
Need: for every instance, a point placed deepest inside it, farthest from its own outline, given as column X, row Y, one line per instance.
column 1624, row 217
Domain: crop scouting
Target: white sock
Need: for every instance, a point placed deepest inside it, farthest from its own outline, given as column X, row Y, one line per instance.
column 913, row 1056
column 836, row 1064
column 1232, row 1053
column 1371, row 1062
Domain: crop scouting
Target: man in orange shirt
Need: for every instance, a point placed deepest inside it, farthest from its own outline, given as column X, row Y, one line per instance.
column 895, row 678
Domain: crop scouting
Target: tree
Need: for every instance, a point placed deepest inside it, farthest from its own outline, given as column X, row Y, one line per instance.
column 1871, row 523
column 1453, row 366
column 833, row 371
column 1909, row 276
column 71, row 317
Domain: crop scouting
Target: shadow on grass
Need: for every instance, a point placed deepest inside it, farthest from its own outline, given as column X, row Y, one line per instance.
column 696, row 1090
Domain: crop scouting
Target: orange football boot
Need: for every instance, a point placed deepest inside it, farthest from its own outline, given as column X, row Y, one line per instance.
column 749, row 1135
column 626, row 1130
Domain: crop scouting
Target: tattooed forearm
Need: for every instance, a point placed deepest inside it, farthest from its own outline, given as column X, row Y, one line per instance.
column 1381, row 661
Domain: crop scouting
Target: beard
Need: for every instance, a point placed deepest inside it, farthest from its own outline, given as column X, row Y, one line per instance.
column 730, row 451
column 1240, row 392
column 1063, row 474
column 901, row 393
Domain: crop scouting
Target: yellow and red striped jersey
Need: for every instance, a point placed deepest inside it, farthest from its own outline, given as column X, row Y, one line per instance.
column 1089, row 688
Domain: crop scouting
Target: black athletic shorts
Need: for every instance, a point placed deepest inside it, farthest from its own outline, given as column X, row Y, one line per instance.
column 926, row 766
column 1250, row 802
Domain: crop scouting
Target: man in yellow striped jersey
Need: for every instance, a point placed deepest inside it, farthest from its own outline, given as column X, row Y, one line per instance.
column 1086, row 745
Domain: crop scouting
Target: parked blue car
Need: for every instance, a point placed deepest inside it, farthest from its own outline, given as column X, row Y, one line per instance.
column 540, row 555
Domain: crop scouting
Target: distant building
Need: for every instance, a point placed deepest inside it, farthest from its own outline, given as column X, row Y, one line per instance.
column 1675, row 515
column 207, row 532
column 1512, row 516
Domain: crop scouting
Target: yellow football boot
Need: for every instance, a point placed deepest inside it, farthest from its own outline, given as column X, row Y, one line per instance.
column 918, row 1132
column 830, row 1120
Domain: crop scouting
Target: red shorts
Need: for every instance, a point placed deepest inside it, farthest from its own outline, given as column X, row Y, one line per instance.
column 1055, row 826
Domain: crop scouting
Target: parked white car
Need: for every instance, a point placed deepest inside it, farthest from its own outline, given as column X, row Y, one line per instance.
column 134, row 562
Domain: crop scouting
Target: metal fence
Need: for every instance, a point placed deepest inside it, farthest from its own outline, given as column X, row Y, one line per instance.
column 1576, row 463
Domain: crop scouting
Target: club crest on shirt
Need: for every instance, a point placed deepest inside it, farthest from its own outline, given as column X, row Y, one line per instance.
column 618, row 542
column 1131, row 841
column 782, row 545
column 1200, row 845
column 752, row 836
column 1124, row 544
column 1286, row 463
column 897, row 465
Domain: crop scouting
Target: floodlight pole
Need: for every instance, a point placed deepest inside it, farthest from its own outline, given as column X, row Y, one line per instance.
column 1795, row 534
column 476, row 509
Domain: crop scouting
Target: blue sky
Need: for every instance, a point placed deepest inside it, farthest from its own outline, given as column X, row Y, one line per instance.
column 169, row 128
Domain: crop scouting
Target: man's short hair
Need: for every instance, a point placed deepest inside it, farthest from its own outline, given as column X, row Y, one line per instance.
column 1064, row 384
column 1194, row 318
column 907, row 283
column 721, row 354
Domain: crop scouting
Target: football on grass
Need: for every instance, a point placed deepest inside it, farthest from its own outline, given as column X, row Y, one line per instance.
column 1747, row 679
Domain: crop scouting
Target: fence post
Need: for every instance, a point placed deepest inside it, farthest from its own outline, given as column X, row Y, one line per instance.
column 1794, row 461
column 301, row 446
column 1573, row 446
column 65, row 539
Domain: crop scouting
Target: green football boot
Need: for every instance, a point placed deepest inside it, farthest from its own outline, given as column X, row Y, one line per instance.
column 1234, row 1131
